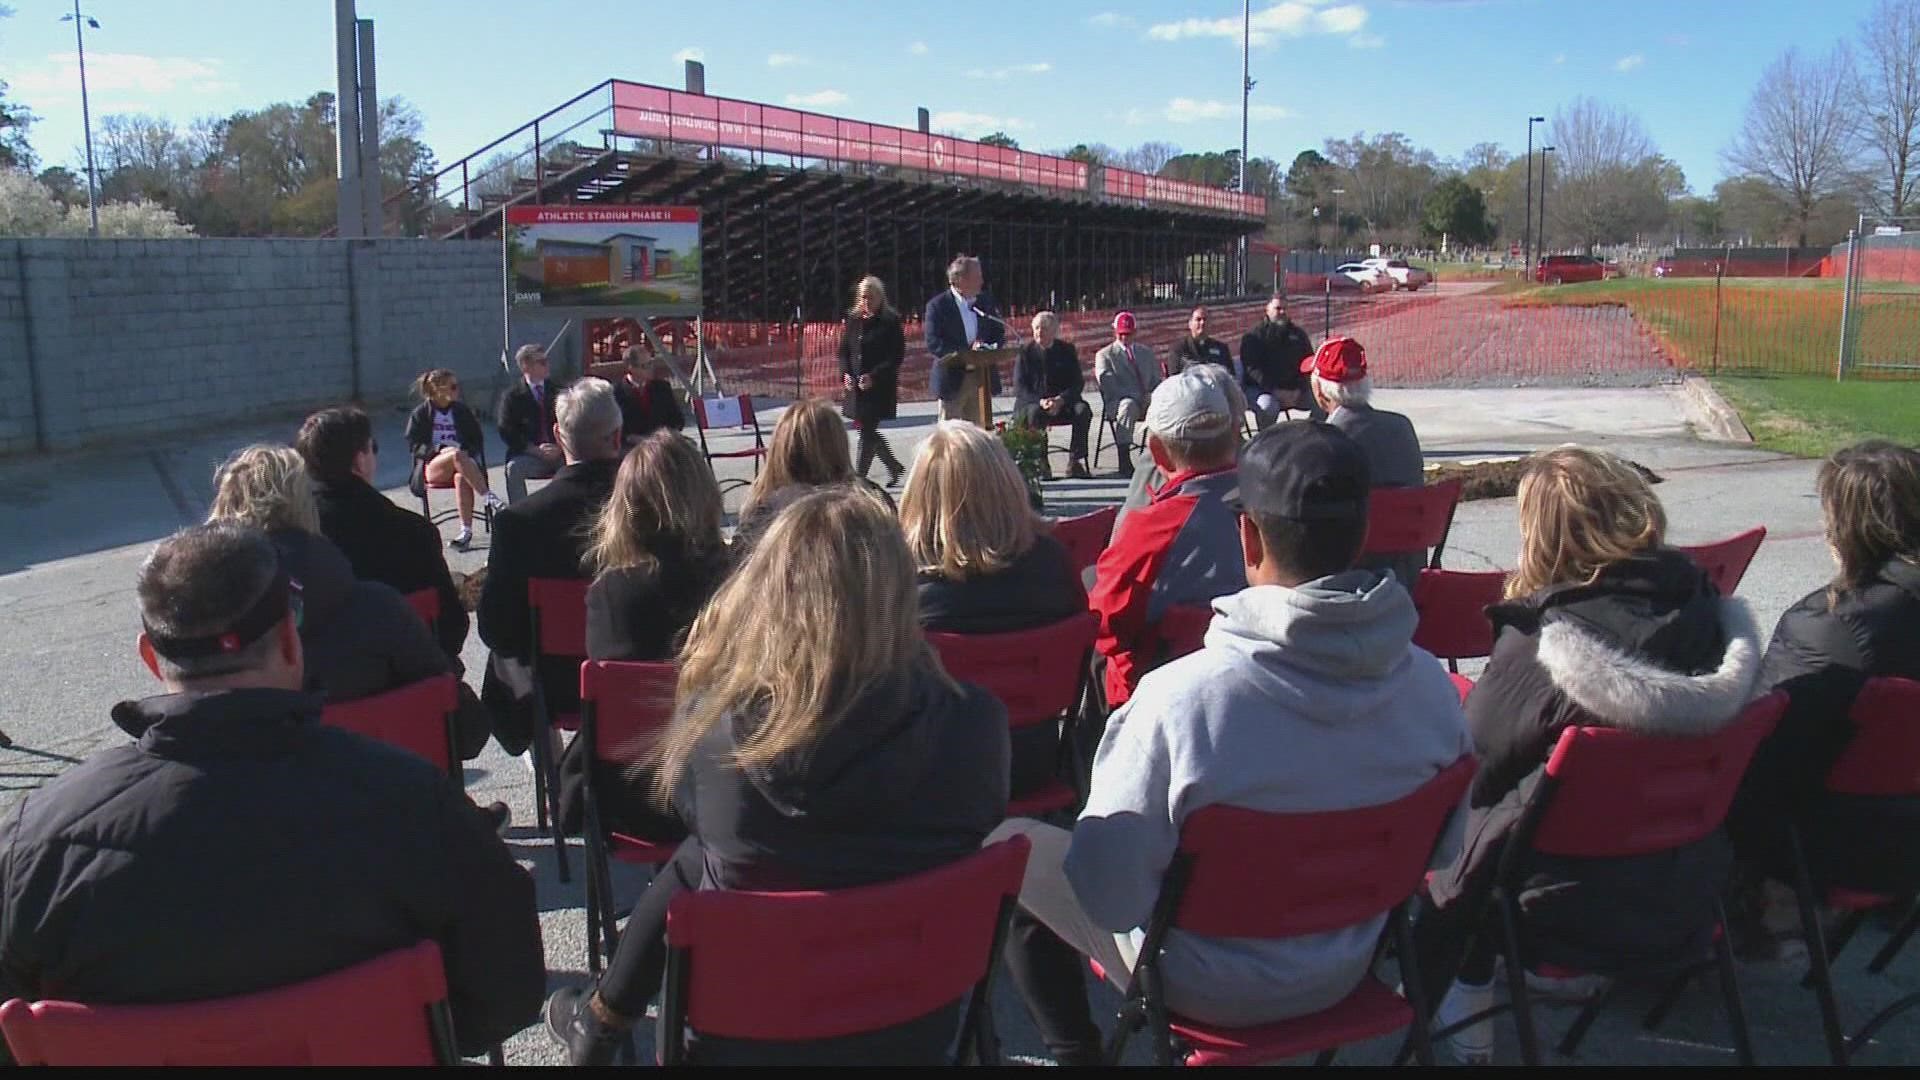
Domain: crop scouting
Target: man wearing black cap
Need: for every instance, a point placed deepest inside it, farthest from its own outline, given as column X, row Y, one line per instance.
column 238, row 844
column 1307, row 696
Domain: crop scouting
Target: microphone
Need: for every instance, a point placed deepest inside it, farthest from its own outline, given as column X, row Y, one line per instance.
column 1004, row 324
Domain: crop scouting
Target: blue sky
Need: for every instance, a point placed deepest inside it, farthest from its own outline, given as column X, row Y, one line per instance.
column 1448, row 73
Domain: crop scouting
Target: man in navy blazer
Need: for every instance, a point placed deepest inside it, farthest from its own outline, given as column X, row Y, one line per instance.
column 956, row 321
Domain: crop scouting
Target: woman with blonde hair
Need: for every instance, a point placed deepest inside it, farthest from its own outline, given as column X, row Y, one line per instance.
column 872, row 344
column 447, row 445
column 1863, row 624
column 807, row 450
column 657, row 555
column 360, row 637
column 986, row 563
column 817, row 744
column 1603, row 626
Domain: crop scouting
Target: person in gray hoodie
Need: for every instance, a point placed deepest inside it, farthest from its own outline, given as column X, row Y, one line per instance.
column 1308, row 695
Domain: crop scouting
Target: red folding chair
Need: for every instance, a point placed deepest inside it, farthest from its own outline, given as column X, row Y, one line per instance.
column 1881, row 760
column 416, row 717
column 1247, row 874
column 820, row 965
column 1085, row 537
column 1039, row 675
column 1611, row 794
column 1726, row 561
column 558, row 607
column 734, row 415
column 426, row 604
column 391, row 1010
column 427, row 487
column 1453, row 606
column 623, row 705
column 1400, row 520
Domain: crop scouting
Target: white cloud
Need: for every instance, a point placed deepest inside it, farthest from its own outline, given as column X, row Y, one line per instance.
column 1005, row 73
column 1192, row 111
column 690, row 53
column 918, row 48
column 781, row 59
column 59, row 76
column 1288, row 18
column 973, row 124
column 1559, row 58
column 1629, row 62
column 1111, row 19
column 1366, row 41
column 817, row 100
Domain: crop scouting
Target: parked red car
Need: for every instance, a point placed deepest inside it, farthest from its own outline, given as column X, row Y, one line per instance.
column 1569, row 269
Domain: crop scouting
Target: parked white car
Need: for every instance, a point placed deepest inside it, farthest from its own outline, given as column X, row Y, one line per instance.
column 1366, row 279
column 1403, row 275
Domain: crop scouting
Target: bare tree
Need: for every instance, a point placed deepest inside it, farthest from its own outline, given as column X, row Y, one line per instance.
column 1148, row 157
column 1608, row 181
column 1888, row 102
column 1798, row 134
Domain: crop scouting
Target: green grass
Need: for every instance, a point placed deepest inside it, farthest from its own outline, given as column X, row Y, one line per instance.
column 1812, row 416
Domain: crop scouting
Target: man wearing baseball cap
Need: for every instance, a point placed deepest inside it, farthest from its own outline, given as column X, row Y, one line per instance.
column 1338, row 376
column 238, row 843
column 1181, row 547
column 1126, row 374
column 1307, row 696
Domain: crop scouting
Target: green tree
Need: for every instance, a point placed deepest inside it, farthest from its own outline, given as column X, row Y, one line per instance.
column 15, row 153
column 1000, row 138
column 64, row 184
column 1455, row 209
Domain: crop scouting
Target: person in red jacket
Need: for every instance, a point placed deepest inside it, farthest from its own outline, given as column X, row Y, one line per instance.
column 1182, row 547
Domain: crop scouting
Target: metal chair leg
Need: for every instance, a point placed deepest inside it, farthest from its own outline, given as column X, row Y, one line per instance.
column 1517, row 985
column 1570, row 1042
column 1841, row 936
column 1880, row 959
column 1730, row 991
column 1818, row 969
column 1668, row 999
column 1326, row 1057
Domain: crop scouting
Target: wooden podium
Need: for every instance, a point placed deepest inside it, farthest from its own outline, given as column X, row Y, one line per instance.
column 979, row 364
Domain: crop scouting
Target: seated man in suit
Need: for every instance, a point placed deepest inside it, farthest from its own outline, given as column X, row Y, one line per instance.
column 1047, row 382
column 1126, row 374
column 956, row 322
column 647, row 399
column 235, row 843
column 526, row 423
column 544, row 536
column 1342, row 390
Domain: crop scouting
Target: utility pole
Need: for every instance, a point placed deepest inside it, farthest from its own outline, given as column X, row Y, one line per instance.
column 346, row 121
column 1246, row 94
column 80, row 23
column 1526, row 229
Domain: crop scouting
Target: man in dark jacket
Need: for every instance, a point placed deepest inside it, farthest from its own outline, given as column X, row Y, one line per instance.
column 526, row 420
column 1047, row 384
column 955, row 322
column 239, row 845
column 1199, row 348
column 647, row 401
column 382, row 541
column 545, row 536
column 1270, row 358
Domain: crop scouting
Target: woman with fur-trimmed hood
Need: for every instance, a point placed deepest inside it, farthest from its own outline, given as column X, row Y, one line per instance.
column 1603, row 626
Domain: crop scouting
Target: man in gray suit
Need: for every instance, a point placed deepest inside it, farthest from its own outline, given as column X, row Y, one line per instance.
column 1341, row 388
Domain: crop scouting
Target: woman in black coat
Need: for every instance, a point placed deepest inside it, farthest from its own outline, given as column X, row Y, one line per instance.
column 1865, row 623
column 816, row 745
column 1604, row 626
column 986, row 563
column 448, row 446
column 872, row 345
column 657, row 556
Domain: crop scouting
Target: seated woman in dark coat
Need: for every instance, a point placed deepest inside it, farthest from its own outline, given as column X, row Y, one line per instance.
column 1603, row 626
column 817, row 745
column 656, row 557
column 808, row 448
column 1865, row 623
column 985, row 560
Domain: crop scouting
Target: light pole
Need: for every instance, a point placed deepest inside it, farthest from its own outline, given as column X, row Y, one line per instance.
column 79, row 22
column 1338, row 233
column 1544, row 151
column 1526, row 228
column 1246, row 93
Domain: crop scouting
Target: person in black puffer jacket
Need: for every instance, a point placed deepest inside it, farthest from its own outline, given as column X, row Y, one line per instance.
column 1604, row 627
column 657, row 556
column 360, row 637
column 1866, row 623
column 986, row 564
column 817, row 745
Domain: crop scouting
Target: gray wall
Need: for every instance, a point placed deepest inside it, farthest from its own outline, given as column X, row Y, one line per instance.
column 105, row 341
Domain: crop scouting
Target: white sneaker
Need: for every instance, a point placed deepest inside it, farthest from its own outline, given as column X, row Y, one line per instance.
column 494, row 501
column 1471, row 1045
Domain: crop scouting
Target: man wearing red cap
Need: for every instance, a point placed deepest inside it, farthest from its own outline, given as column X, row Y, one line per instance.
column 1338, row 374
column 1126, row 374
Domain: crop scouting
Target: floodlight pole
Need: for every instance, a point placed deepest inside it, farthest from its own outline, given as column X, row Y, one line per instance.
column 1246, row 93
column 80, row 23
column 1526, row 229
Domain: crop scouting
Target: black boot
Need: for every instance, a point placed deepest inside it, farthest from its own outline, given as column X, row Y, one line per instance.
column 572, row 1023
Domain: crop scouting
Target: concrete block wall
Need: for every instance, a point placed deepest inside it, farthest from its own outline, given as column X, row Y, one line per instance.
column 126, row 340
